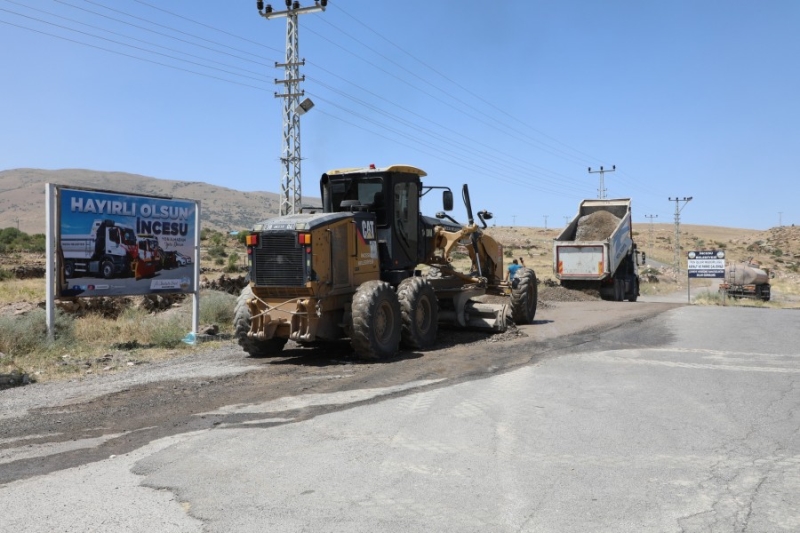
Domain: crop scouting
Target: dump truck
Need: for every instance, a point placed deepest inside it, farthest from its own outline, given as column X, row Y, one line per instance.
column 353, row 268
column 746, row 280
column 109, row 250
column 596, row 250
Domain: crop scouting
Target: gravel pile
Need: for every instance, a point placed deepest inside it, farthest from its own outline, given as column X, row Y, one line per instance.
column 597, row 226
column 560, row 294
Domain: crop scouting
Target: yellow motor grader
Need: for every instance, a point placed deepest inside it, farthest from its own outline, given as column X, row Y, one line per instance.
column 352, row 269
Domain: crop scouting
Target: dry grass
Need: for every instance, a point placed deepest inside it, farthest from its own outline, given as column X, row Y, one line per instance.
column 96, row 344
column 22, row 290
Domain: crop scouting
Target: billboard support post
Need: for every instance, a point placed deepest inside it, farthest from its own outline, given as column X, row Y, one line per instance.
column 196, row 255
column 50, row 270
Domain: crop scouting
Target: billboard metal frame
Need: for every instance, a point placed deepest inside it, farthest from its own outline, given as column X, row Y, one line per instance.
column 55, row 265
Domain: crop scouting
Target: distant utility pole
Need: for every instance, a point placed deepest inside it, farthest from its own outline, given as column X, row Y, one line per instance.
column 601, row 191
column 291, row 192
column 651, row 241
column 566, row 220
column 780, row 219
column 678, row 210
column 545, row 221
column 513, row 220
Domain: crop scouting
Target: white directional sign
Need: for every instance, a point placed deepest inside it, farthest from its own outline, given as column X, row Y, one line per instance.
column 706, row 264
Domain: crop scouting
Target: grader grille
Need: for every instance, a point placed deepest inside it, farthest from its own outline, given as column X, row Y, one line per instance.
column 279, row 261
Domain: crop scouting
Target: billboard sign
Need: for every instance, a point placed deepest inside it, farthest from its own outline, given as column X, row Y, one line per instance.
column 706, row 264
column 117, row 244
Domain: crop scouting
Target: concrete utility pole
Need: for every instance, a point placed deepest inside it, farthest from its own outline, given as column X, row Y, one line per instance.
column 780, row 219
column 545, row 221
column 685, row 200
column 291, row 191
column 652, row 242
column 601, row 191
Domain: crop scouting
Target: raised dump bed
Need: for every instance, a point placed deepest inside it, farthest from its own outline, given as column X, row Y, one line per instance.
column 596, row 250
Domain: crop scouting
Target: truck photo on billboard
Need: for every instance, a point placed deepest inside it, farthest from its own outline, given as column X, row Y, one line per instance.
column 116, row 244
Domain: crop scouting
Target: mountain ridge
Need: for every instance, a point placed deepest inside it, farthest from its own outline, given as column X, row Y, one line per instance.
column 22, row 196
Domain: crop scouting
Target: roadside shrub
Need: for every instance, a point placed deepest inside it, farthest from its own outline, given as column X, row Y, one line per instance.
column 167, row 333
column 217, row 250
column 6, row 274
column 14, row 240
column 219, row 261
column 21, row 335
column 217, row 307
column 233, row 263
column 708, row 298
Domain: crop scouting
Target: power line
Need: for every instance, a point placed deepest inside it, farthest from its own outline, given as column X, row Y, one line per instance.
column 126, row 44
column 527, row 168
column 132, row 56
column 526, row 171
column 431, row 68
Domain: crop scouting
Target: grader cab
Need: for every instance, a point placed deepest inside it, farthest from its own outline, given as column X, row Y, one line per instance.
column 352, row 269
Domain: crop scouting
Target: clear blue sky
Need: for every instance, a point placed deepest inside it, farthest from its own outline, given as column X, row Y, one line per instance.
column 516, row 98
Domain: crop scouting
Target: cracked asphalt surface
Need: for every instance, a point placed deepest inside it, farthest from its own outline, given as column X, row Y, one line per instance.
column 601, row 417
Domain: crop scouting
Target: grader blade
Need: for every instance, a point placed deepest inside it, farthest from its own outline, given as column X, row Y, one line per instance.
column 471, row 314
column 494, row 317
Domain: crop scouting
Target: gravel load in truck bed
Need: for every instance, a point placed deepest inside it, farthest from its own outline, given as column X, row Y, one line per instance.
column 597, row 226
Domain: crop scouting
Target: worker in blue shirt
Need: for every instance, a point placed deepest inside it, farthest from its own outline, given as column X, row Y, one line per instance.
column 512, row 269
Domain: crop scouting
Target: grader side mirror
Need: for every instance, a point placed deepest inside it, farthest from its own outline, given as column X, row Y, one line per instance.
column 447, row 200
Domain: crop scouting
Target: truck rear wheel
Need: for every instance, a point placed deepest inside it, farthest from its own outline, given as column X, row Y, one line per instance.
column 241, row 325
column 619, row 289
column 634, row 294
column 419, row 311
column 376, row 321
column 524, row 297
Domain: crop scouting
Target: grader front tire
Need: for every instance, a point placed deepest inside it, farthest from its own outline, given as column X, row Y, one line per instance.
column 376, row 321
column 420, row 313
column 241, row 324
column 524, row 297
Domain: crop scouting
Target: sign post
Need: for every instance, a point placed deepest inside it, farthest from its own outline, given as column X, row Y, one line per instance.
column 704, row 264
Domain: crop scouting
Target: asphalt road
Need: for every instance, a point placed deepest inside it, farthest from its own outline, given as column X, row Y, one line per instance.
column 682, row 419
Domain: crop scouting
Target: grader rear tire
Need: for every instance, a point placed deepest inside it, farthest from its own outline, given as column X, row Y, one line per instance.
column 241, row 324
column 376, row 321
column 420, row 313
column 524, row 297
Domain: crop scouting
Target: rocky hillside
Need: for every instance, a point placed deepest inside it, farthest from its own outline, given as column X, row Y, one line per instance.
column 22, row 197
